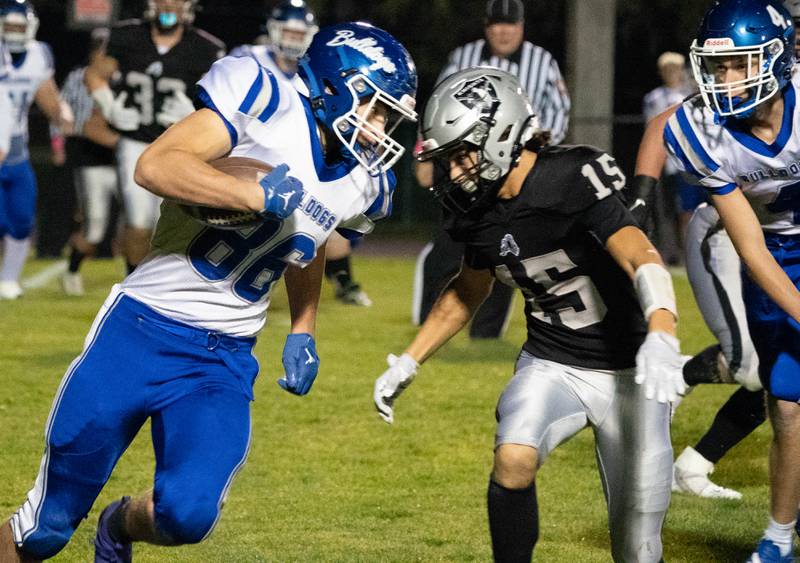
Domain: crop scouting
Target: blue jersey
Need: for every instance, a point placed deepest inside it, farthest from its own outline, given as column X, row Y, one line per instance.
column 721, row 157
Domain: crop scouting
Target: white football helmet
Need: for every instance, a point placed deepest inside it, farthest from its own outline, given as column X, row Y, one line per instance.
column 18, row 24
column 291, row 27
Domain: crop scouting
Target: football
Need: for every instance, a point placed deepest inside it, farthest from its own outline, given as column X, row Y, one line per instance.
column 244, row 169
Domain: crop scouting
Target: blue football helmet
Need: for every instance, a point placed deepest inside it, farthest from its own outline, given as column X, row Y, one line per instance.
column 759, row 31
column 351, row 64
column 169, row 14
column 291, row 27
column 18, row 24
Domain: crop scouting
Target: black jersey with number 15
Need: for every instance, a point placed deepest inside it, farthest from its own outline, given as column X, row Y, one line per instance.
column 149, row 77
column 581, row 308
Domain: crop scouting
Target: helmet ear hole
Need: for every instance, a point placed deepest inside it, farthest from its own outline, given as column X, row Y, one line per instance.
column 506, row 134
column 329, row 87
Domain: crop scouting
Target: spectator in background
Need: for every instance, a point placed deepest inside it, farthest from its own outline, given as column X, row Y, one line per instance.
column 503, row 47
column 676, row 198
column 90, row 156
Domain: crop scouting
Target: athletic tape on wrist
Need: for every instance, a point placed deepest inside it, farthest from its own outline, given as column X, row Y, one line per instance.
column 653, row 286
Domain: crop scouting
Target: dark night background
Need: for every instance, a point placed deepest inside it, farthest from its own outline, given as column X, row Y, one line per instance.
column 429, row 29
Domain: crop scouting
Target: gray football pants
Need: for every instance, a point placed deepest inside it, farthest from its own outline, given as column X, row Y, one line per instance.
column 714, row 271
column 546, row 403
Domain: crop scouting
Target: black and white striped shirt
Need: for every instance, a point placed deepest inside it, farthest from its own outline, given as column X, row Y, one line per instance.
column 76, row 95
column 537, row 71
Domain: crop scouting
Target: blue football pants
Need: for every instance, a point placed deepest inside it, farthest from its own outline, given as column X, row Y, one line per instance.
column 17, row 200
column 194, row 385
column 775, row 336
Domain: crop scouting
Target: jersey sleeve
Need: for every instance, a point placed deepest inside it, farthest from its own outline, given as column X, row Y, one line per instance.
column 689, row 151
column 381, row 208
column 606, row 217
column 239, row 90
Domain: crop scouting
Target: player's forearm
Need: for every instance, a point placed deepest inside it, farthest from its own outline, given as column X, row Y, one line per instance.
column 97, row 130
column 303, row 287
column 451, row 312
column 447, row 317
column 180, row 176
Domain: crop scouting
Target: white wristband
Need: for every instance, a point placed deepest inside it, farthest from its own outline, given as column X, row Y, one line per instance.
column 406, row 363
column 653, row 286
column 104, row 98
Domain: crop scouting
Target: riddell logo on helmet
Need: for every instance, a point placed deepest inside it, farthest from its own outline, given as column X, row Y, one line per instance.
column 719, row 42
column 367, row 47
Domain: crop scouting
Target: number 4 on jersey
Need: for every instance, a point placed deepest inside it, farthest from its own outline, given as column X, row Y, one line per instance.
column 615, row 179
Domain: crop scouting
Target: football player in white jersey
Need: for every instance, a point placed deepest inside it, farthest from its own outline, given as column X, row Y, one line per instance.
column 173, row 342
column 749, row 161
column 29, row 66
column 714, row 272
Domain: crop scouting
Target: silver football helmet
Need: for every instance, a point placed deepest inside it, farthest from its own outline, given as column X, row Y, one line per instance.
column 480, row 116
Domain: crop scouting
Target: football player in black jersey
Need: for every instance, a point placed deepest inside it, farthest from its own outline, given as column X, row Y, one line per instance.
column 142, row 86
column 600, row 311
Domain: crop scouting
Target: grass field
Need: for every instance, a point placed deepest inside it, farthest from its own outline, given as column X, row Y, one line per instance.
column 328, row 481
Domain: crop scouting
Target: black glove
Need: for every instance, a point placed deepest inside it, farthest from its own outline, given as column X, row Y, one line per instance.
column 640, row 195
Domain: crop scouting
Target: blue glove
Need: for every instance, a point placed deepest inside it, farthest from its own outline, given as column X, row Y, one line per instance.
column 282, row 193
column 300, row 362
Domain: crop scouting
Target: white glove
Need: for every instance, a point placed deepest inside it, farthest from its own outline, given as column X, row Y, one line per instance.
column 659, row 366
column 174, row 108
column 122, row 118
column 392, row 382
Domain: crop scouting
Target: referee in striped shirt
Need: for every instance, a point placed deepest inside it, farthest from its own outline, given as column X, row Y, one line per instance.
column 504, row 47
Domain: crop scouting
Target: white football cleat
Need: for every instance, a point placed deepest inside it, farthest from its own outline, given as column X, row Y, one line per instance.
column 690, row 476
column 72, row 284
column 10, row 290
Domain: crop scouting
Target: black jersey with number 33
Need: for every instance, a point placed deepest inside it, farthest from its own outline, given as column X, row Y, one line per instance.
column 548, row 241
column 149, row 77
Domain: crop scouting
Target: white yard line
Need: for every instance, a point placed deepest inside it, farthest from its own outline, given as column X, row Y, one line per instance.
column 45, row 276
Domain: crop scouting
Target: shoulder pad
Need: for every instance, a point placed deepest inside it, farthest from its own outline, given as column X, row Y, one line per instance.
column 574, row 177
column 216, row 42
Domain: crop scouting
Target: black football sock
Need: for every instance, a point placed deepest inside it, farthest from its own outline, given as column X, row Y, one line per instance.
column 513, row 523
column 75, row 259
column 339, row 270
column 739, row 416
column 704, row 368
column 130, row 267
